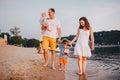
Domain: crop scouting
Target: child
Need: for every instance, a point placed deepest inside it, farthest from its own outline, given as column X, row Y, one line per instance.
column 63, row 54
column 43, row 22
column 39, row 48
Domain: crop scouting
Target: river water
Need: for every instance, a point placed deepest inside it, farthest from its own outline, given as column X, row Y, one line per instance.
column 103, row 65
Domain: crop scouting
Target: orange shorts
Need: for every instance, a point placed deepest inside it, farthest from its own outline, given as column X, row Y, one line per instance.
column 62, row 60
column 49, row 42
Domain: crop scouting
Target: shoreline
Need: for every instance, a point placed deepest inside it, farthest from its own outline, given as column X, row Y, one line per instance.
column 95, row 70
column 18, row 63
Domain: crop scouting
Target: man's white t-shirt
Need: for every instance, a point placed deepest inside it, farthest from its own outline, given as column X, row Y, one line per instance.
column 53, row 25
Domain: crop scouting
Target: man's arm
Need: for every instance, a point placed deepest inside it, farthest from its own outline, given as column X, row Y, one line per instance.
column 59, row 34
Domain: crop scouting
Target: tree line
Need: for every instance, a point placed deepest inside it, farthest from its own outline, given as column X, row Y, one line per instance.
column 101, row 38
column 16, row 39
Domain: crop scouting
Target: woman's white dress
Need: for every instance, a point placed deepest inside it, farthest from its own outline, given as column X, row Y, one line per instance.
column 82, row 45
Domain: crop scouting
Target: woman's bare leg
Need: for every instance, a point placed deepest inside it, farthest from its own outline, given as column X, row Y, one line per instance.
column 84, row 64
column 80, row 65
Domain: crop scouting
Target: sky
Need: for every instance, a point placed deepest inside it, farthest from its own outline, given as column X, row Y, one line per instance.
column 103, row 15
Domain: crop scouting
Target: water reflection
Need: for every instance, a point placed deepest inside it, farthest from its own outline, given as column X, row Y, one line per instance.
column 83, row 77
column 104, row 60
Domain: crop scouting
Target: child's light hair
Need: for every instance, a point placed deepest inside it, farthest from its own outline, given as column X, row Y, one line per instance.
column 43, row 14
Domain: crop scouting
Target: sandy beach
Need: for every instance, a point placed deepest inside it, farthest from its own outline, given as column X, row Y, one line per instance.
column 17, row 63
column 95, row 70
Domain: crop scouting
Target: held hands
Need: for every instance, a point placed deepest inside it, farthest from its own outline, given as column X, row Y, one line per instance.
column 58, row 41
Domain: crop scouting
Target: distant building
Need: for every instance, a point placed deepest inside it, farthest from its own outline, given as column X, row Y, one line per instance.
column 2, row 41
column 5, row 38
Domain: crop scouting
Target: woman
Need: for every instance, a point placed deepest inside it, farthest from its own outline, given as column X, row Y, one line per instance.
column 82, row 50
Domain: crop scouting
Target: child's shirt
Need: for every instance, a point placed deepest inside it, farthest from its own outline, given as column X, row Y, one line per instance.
column 65, row 51
column 43, row 20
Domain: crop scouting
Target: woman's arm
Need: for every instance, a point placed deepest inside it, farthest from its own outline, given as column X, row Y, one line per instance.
column 92, row 38
column 76, row 36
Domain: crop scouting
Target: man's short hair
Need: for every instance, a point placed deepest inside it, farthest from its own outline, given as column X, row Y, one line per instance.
column 52, row 9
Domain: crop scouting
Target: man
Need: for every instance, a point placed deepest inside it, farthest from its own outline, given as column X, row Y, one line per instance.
column 49, row 37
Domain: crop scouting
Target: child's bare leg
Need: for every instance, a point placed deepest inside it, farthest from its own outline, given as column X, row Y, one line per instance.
column 60, row 67
column 84, row 65
column 48, row 29
column 43, row 31
column 80, row 65
column 64, row 67
column 43, row 28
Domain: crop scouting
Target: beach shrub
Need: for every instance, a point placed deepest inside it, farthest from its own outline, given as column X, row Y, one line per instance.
column 33, row 43
column 24, row 42
column 16, row 40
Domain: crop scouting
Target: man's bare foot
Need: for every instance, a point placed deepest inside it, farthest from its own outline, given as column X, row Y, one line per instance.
column 39, row 52
column 53, row 67
column 60, row 69
column 46, row 64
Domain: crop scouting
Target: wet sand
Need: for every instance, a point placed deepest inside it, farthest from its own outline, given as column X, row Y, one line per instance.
column 96, row 70
column 17, row 63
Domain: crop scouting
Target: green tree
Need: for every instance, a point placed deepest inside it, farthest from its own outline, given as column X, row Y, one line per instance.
column 33, row 43
column 15, row 31
column 24, row 42
column 16, row 40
